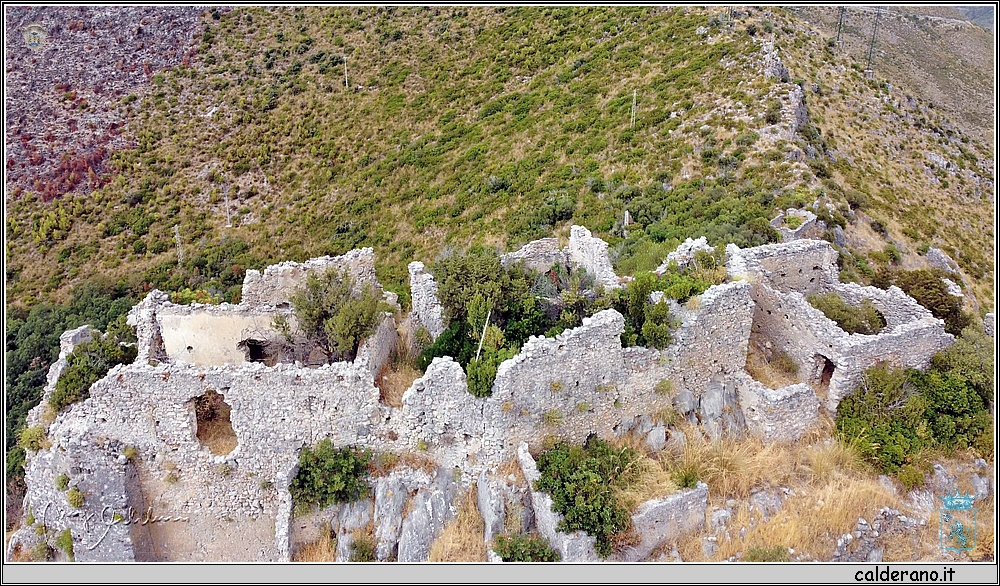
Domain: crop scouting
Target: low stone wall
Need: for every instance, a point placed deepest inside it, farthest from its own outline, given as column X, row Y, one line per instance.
column 783, row 414
column 684, row 253
column 277, row 283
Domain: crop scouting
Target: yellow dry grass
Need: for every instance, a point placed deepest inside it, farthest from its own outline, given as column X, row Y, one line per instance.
column 399, row 372
column 763, row 372
column 322, row 550
column 810, row 522
column 217, row 435
column 462, row 539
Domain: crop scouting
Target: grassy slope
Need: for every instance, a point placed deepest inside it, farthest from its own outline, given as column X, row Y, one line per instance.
column 466, row 126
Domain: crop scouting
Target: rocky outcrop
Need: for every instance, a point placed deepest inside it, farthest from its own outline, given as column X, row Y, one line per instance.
column 667, row 519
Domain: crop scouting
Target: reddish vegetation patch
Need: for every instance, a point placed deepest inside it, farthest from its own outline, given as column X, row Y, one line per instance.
column 63, row 97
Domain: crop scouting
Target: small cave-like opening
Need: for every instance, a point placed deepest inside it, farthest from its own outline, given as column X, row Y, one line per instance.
column 214, row 427
column 263, row 351
column 823, row 374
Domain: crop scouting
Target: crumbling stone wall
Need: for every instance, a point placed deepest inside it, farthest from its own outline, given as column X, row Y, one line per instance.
column 538, row 255
column 207, row 335
column 591, row 254
column 67, row 342
column 566, row 386
column 783, row 273
column 806, row 266
column 276, row 284
column 684, row 253
column 427, row 310
column 376, row 350
column 789, row 234
column 107, row 482
column 783, row 414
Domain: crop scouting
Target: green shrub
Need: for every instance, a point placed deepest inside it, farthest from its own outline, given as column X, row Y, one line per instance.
column 910, row 476
column 581, row 481
column 929, row 290
column 33, row 438
column 64, row 541
column 41, row 552
column 328, row 475
column 778, row 553
column 685, row 477
column 62, row 483
column 860, row 319
column 362, row 548
column 332, row 315
column 87, row 364
column 75, row 498
column 525, row 548
column 664, row 387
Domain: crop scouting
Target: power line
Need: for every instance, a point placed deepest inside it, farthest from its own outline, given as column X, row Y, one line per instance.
column 871, row 45
column 840, row 24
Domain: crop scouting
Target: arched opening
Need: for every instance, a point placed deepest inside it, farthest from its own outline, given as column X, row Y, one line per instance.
column 822, row 374
column 214, row 428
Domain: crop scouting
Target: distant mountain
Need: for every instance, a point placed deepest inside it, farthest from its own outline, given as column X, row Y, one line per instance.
column 984, row 16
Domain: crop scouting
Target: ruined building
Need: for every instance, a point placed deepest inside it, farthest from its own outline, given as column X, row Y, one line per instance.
column 204, row 429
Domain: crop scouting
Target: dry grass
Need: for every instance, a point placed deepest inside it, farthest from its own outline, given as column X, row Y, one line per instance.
column 394, row 380
column 513, row 468
column 653, row 479
column 810, row 522
column 215, row 430
column 764, row 372
column 399, row 372
column 462, row 539
column 322, row 550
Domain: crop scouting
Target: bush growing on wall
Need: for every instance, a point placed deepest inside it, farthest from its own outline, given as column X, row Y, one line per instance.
column 860, row 319
column 88, row 363
column 332, row 315
column 581, row 481
column 329, row 475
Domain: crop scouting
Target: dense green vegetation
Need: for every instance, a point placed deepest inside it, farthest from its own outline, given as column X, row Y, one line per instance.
column 335, row 316
column 90, row 361
column 329, row 475
column 581, row 481
column 896, row 414
column 525, row 548
column 930, row 291
column 853, row 319
column 504, row 307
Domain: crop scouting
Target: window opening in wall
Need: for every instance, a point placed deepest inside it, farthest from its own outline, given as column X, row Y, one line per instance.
column 260, row 351
column 214, row 428
column 824, row 369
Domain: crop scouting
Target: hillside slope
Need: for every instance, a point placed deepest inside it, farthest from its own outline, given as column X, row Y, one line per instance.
column 460, row 126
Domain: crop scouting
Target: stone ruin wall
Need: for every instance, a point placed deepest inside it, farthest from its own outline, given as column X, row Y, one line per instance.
column 207, row 335
column 578, row 383
column 784, row 317
column 275, row 285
